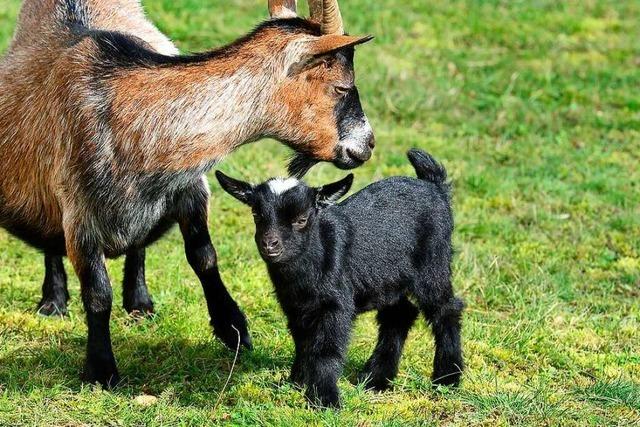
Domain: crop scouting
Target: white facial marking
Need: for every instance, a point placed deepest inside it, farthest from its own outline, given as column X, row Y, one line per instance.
column 280, row 185
column 358, row 136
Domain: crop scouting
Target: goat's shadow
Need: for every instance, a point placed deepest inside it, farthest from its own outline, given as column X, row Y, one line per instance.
column 194, row 372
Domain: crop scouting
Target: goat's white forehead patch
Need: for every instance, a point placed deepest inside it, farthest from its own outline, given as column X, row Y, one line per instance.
column 280, row 185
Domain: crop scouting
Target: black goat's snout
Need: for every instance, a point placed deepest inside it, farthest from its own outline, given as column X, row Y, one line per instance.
column 271, row 245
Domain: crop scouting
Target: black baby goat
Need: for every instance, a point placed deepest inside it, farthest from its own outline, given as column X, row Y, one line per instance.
column 380, row 249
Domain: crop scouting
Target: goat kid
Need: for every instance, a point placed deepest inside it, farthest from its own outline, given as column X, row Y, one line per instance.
column 105, row 135
column 376, row 250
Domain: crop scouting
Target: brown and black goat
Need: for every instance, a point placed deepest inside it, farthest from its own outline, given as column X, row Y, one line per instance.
column 106, row 133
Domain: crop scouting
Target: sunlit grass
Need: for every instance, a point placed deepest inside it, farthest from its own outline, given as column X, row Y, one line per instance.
column 533, row 106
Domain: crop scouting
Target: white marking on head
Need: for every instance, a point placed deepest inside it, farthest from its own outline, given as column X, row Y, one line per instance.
column 358, row 136
column 280, row 185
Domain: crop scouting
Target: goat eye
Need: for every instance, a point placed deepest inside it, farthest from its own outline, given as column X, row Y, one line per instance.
column 341, row 90
column 300, row 222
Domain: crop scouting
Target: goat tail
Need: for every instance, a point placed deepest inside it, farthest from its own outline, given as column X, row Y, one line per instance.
column 427, row 168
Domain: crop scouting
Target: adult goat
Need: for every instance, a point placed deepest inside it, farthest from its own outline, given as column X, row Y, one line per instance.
column 106, row 133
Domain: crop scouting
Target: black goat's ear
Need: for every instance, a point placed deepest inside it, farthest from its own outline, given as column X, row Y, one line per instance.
column 241, row 190
column 331, row 193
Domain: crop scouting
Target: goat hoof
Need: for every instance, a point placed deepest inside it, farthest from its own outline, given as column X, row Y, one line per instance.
column 52, row 307
column 446, row 378
column 140, row 309
column 297, row 379
column 228, row 328
column 373, row 383
column 104, row 373
column 330, row 400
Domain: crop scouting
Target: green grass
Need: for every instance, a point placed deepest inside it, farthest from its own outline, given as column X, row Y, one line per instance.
column 534, row 107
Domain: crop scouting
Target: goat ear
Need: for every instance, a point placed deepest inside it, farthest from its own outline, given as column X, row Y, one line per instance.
column 241, row 190
column 331, row 193
column 330, row 43
column 323, row 46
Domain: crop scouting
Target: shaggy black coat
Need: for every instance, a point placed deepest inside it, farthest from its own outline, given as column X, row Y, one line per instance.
column 385, row 248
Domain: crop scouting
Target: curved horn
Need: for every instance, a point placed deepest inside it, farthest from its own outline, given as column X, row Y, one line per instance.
column 283, row 8
column 315, row 7
column 331, row 18
column 327, row 13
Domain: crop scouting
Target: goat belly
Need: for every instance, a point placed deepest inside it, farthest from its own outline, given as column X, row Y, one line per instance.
column 34, row 236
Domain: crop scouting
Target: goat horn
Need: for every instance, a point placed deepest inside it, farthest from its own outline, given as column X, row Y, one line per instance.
column 283, row 8
column 315, row 7
column 327, row 14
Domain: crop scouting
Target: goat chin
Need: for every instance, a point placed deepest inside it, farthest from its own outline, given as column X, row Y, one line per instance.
column 300, row 164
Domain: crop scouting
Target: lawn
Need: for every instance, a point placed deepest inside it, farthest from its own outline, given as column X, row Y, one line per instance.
column 533, row 106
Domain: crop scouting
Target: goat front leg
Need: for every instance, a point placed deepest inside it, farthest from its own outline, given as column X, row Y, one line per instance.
column 227, row 319
column 135, row 296
column 89, row 263
column 323, row 349
column 394, row 324
column 54, row 288
column 297, row 373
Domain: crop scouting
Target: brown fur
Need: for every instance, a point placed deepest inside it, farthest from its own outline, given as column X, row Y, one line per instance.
column 161, row 119
column 37, row 78
column 316, row 124
column 105, row 137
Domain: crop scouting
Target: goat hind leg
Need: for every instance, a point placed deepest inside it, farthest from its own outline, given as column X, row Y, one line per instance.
column 89, row 264
column 445, row 319
column 394, row 324
column 135, row 295
column 54, row 287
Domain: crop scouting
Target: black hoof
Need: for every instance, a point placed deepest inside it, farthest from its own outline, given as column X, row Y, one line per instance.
column 231, row 326
column 328, row 400
column 446, row 378
column 296, row 377
column 52, row 308
column 140, row 309
column 104, row 373
column 373, row 383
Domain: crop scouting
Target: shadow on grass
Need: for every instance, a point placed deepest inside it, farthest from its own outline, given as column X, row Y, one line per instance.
column 194, row 373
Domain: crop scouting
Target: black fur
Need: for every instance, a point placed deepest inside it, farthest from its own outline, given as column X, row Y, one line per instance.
column 300, row 164
column 54, row 288
column 187, row 207
column 380, row 249
column 135, row 295
column 119, row 50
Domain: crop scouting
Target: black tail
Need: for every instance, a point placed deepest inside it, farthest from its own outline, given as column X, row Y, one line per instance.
column 427, row 168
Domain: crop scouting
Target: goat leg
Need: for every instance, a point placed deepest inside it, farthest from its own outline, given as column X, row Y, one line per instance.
column 135, row 295
column 89, row 264
column 394, row 324
column 54, row 287
column 227, row 319
column 324, row 349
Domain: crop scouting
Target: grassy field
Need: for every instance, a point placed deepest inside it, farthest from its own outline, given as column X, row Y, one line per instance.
column 534, row 107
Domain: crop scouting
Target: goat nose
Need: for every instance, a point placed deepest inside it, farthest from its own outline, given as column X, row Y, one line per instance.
column 372, row 142
column 270, row 242
column 362, row 156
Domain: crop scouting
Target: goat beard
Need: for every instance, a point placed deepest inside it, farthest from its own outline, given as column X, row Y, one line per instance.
column 300, row 164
